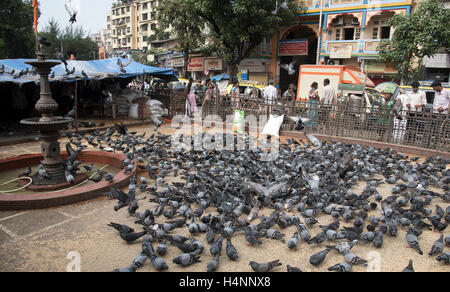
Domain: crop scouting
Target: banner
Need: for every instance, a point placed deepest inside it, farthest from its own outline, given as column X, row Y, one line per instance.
column 238, row 123
column 341, row 51
column 297, row 47
column 196, row 64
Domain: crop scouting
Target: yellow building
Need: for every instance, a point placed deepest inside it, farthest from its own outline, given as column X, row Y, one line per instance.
column 349, row 35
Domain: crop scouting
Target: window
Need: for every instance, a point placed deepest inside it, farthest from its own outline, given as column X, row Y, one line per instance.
column 153, row 15
column 128, row 9
column 129, row 39
column 338, row 34
column 357, row 33
column 385, row 32
column 349, row 33
column 153, row 27
column 144, row 27
column 144, row 38
column 145, row 16
column 144, row 6
column 375, row 33
column 128, row 30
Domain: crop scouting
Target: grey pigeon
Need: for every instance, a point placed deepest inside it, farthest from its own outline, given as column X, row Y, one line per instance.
column 293, row 269
column 186, row 260
column 213, row 264
column 409, row 268
column 341, row 267
column 413, row 242
column 444, row 258
column 162, row 248
column 131, row 269
column 231, row 251
column 319, row 257
column 438, row 246
column 354, row 259
column 293, row 241
column 265, row 267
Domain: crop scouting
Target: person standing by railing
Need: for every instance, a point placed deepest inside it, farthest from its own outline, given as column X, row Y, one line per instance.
column 440, row 110
column 235, row 96
column 326, row 102
column 270, row 95
column 400, row 121
column 313, row 106
column 415, row 103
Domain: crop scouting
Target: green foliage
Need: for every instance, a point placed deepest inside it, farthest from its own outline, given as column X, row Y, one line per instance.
column 143, row 57
column 73, row 41
column 239, row 26
column 17, row 38
column 186, row 26
column 416, row 36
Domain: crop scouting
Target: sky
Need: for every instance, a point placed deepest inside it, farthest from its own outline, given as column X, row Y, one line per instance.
column 91, row 13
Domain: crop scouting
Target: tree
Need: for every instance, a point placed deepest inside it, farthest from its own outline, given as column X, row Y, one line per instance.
column 239, row 26
column 416, row 36
column 17, row 38
column 73, row 41
column 184, row 23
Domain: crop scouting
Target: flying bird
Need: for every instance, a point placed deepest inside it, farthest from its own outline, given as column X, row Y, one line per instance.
column 72, row 12
column 289, row 68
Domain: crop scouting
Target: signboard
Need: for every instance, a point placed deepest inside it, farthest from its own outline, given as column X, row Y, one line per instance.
column 297, row 47
column 177, row 62
column 351, row 87
column 372, row 66
column 341, row 51
column 196, row 64
column 244, row 75
column 213, row 64
column 254, row 65
column 438, row 61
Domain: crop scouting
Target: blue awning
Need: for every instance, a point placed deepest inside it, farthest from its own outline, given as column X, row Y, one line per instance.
column 95, row 70
column 220, row 77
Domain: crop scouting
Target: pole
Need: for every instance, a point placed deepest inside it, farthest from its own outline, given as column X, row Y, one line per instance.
column 76, row 106
column 319, row 45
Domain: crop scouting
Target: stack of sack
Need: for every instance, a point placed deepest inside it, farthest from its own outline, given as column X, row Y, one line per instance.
column 157, row 110
column 124, row 103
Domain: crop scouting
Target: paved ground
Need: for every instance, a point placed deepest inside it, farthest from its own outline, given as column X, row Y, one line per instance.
column 41, row 240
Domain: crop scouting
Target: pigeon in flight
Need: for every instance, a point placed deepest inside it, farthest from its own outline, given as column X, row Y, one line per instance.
column 289, row 68
column 72, row 12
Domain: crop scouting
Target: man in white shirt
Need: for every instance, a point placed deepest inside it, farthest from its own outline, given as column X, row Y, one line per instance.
column 326, row 102
column 415, row 103
column 329, row 93
column 270, row 93
column 416, row 99
column 441, row 99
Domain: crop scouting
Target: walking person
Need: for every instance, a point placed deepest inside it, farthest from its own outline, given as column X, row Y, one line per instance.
column 191, row 103
column 206, row 106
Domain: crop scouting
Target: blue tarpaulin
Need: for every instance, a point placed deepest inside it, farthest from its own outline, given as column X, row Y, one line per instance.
column 95, row 70
column 220, row 77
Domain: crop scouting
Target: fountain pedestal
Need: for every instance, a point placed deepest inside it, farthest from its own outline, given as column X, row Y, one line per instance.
column 48, row 125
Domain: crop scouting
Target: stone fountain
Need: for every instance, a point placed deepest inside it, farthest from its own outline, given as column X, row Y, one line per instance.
column 48, row 125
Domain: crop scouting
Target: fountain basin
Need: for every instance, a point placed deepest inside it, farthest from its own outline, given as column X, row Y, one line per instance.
column 57, row 124
column 42, row 200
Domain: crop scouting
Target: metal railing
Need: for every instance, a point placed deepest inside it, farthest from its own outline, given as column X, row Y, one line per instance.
column 342, row 119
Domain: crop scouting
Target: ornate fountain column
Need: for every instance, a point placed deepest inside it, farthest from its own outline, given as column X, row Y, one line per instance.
column 48, row 125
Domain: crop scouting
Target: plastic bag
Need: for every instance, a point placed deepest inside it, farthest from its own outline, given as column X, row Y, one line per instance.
column 273, row 126
column 238, row 123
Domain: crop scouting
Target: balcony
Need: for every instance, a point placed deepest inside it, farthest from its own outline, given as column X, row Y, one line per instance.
column 315, row 4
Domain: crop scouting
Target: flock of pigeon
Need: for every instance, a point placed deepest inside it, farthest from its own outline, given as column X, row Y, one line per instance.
column 223, row 192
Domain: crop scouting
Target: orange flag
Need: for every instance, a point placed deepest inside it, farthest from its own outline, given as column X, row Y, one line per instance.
column 36, row 9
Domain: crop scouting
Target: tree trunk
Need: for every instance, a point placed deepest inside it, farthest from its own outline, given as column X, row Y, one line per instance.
column 185, row 66
column 233, row 72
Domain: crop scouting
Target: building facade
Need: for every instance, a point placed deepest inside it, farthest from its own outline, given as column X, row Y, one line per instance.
column 133, row 27
column 349, row 35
